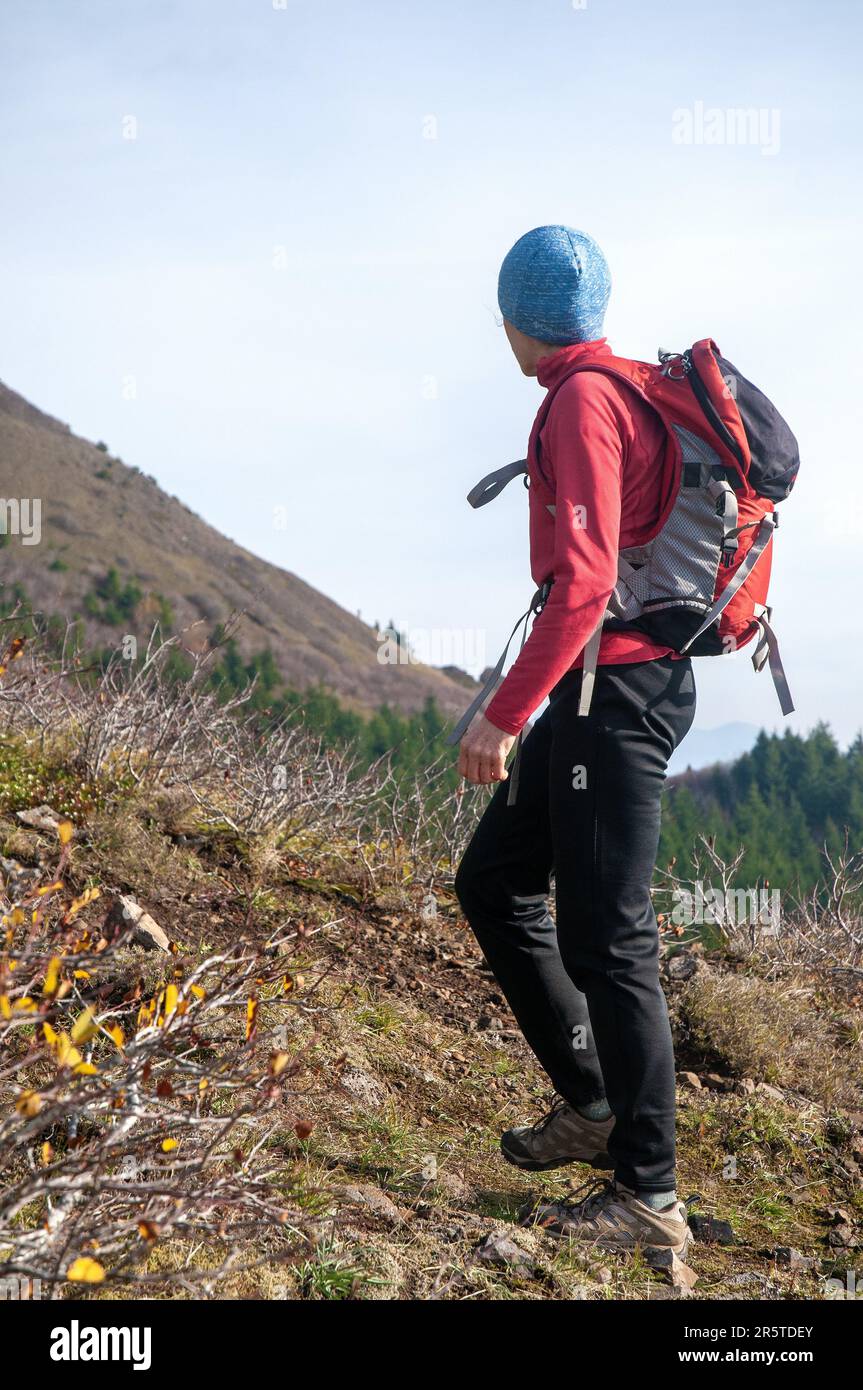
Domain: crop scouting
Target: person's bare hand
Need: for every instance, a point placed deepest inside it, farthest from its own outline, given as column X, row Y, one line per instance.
column 482, row 752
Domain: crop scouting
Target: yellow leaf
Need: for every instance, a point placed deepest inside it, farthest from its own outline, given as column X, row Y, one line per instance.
column 25, row 1005
column 65, row 831
column 66, row 1054
column 115, row 1033
column 5, row 1007
column 48, row 888
column 50, row 1035
column 28, row 1104
column 86, row 1069
column 81, row 974
column 52, row 976
column 171, row 997
column 84, row 1027
column 89, row 895
column 198, row 992
column 85, row 1271
column 168, row 1145
column 47, row 1153
column 203, row 1084
column 278, row 1062
column 251, row 1014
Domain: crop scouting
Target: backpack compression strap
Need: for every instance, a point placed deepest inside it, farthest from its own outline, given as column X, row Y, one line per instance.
column 766, row 527
column 767, row 645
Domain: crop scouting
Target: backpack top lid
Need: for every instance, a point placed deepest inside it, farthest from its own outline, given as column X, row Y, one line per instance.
column 757, row 434
column 774, row 456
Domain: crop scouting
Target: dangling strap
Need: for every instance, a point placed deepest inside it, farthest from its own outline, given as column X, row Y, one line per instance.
column 487, row 489
column 753, row 555
column 588, row 670
column 537, row 604
column 768, row 650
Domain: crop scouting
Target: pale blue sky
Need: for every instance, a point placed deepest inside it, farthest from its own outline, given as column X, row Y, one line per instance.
column 302, row 285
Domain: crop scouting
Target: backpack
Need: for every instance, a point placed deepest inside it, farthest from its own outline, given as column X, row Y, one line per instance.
column 699, row 585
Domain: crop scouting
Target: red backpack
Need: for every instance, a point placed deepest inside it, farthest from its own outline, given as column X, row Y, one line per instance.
column 699, row 585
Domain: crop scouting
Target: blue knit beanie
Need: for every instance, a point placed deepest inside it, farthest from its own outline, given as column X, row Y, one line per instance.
column 554, row 285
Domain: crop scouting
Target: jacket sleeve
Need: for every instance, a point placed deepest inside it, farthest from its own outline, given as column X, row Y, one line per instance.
column 583, row 444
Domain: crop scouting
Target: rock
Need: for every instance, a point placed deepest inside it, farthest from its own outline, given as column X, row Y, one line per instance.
column 453, row 1186
column 792, row 1259
column 363, row 1086
column 745, row 1086
column 371, row 1198
column 41, row 818
column 682, row 966
column 837, row 1216
column 146, row 930
column 498, row 1249
column 678, row 1274
column 690, row 1080
column 751, row 1279
column 489, row 1021
column 714, row 1082
column 769, row 1092
column 842, row 1237
column 711, row 1230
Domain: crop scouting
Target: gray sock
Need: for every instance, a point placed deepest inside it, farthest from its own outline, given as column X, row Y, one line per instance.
column 596, row 1110
column 657, row 1201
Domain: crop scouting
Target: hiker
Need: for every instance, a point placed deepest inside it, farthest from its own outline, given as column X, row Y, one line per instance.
column 585, row 991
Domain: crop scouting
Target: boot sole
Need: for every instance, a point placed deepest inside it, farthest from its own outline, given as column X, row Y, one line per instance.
column 681, row 1253
column 615, row 1249
column 601, row 1161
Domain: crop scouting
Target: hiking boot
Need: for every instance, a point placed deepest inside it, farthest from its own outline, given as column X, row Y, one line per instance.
column 611, row 1217
column 562, row 1136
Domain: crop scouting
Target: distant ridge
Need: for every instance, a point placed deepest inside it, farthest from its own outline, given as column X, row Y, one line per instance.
column 98, row 513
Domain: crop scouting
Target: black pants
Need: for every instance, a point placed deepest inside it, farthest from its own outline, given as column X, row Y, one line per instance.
column 586, row 992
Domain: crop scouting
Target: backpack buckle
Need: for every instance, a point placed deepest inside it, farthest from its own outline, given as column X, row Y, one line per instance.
column 675, row 365
column 540, row 598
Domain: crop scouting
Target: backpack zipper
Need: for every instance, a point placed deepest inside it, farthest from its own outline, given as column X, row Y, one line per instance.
column 714, row 420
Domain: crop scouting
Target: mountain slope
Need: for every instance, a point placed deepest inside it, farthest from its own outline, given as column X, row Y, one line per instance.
column 98, row 514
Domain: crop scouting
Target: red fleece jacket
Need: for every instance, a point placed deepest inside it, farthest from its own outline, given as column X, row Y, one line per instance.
column 601, row 449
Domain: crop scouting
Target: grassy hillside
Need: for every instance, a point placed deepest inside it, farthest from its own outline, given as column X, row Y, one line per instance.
column 100, row 515
column 295, row 1090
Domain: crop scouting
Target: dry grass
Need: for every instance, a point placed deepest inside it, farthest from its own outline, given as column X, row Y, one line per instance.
column 773, row 1030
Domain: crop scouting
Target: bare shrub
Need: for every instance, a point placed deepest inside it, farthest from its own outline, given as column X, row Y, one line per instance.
column 129, row 1121
column 820, row 931
column 411, row 831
